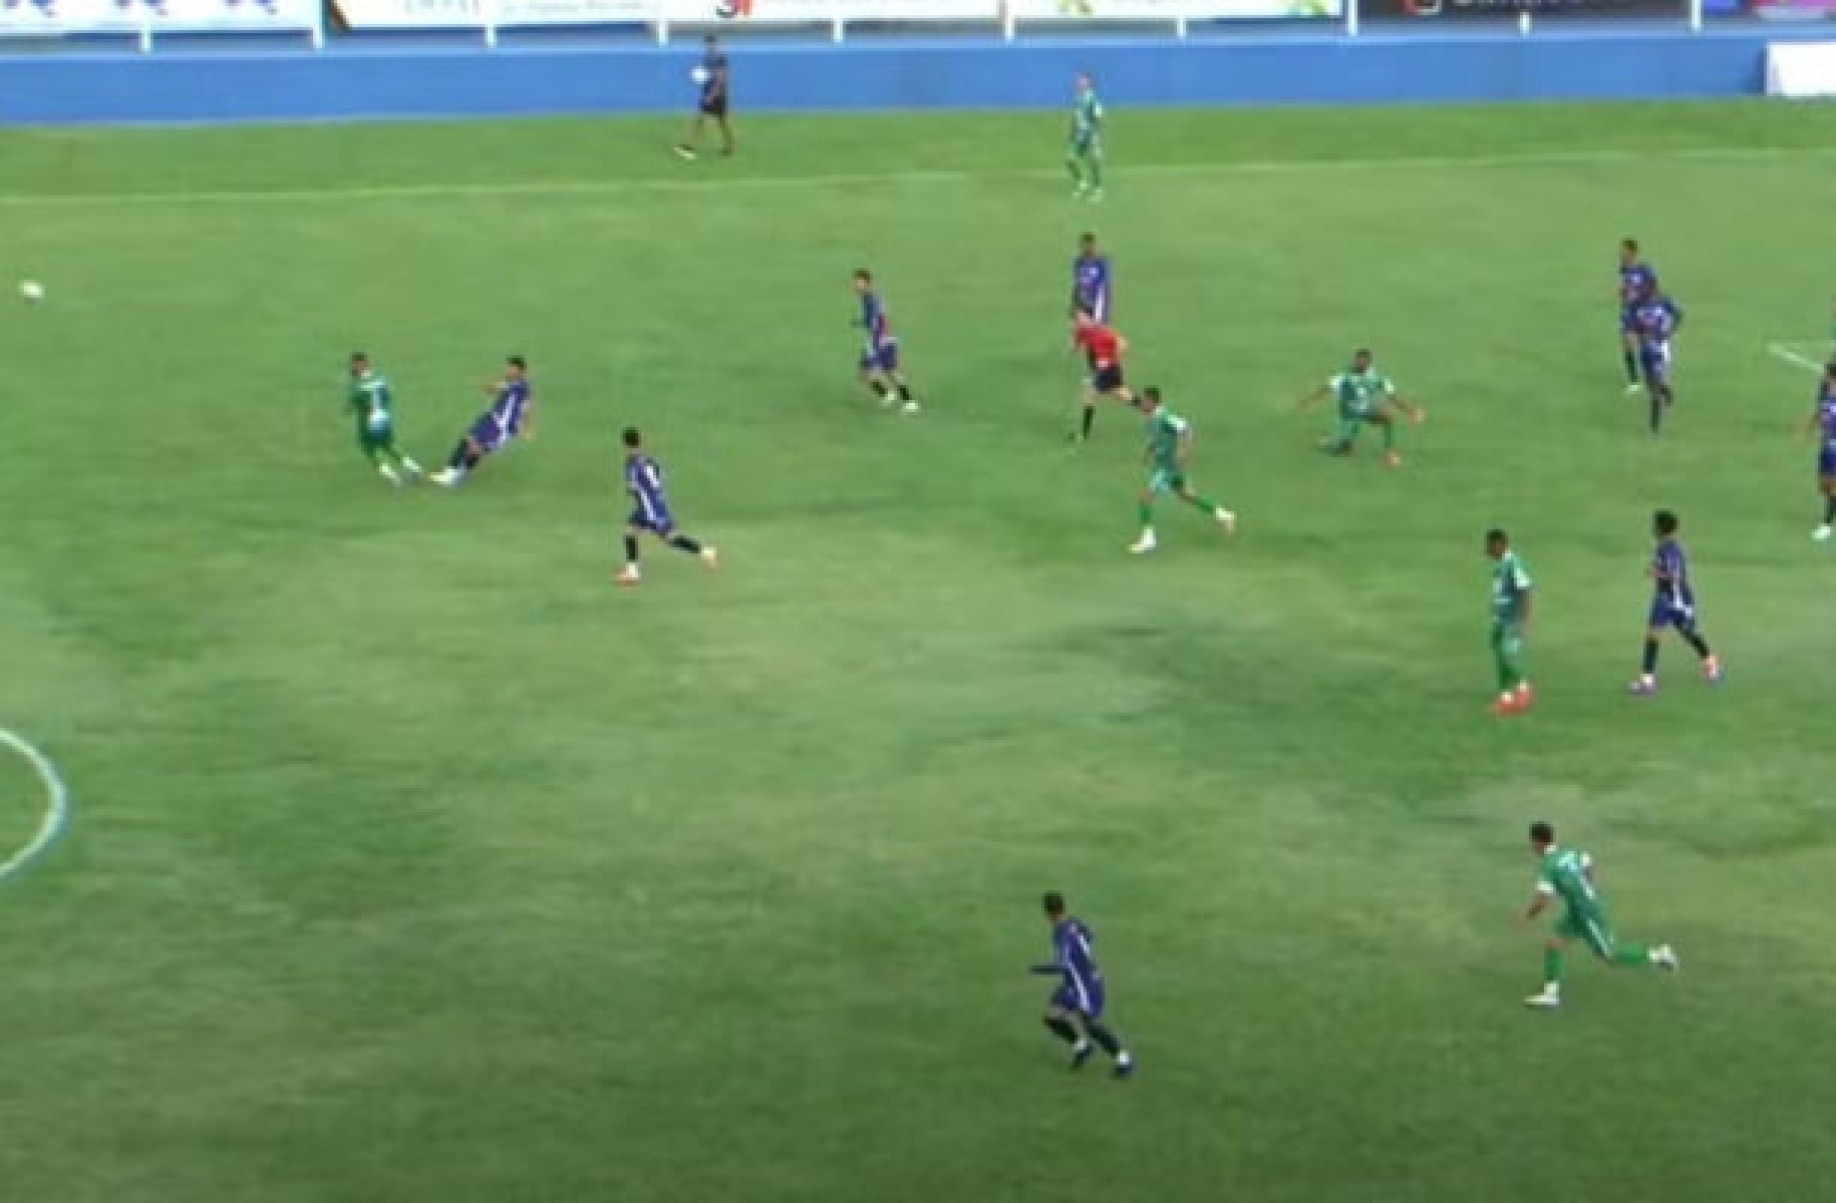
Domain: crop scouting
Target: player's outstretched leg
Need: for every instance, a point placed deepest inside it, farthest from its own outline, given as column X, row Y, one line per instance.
column 464, row 458
column 706, row 553
column 1711, row 663
column 1086, row 420
column 1224, row 517
column 1111, row 1044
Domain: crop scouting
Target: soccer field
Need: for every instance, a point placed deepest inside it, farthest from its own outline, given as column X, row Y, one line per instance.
column 414, row 862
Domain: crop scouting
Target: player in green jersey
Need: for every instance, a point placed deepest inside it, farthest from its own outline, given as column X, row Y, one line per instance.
column 1510, row 624
column 1567, row 875
column 1366, row 397
column 1169, row 453
column 373, row 406
column 1084, row 156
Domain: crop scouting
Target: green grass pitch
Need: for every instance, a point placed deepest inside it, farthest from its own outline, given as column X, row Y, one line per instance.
column 413, row 862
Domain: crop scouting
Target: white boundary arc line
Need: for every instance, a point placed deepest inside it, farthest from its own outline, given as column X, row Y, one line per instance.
column 716, row 186
column 1782, row 352
column 56, row 816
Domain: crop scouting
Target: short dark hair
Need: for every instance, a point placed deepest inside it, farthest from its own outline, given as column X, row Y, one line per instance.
column 1630, row 244
column 1363, row 353
column 1830, row 368
column 1497, row 535
column 632, row 438
column 1665, row 521
column 364, row 357
column 1151, row 394
column 518, row 362
column 863, row 275
column 1087, row 236
column 1054, row 903
column 1542, row 833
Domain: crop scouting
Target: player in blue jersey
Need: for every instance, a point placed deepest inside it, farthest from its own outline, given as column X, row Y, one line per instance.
column 1078, row 1001
column 1091, row 283
column 512, row 415
column 1823, row 426
column 650, row 511
column 879, row 363
column 1673, row 605
column 1655, row 323
column 1636, row 278
column 713, row 101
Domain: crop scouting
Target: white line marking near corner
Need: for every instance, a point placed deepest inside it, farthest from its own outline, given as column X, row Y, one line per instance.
column 56, row 818
column 714, row 185
column 1782, row 352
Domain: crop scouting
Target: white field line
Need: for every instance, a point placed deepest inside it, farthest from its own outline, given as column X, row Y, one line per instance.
column 1782, row 352
column 56, row 816
column 711, row 183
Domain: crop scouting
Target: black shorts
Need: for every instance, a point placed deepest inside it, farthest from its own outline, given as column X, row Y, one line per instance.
column 1107, row 379
column 713, row 106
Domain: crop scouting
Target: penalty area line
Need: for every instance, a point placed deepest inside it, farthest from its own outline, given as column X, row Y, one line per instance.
column 55, row 819
column 1785, row 354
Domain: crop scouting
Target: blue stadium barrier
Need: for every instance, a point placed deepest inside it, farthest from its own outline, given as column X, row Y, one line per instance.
column 884, row 73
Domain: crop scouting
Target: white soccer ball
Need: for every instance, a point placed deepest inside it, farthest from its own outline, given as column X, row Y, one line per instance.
column 32, row 291
column 699, row 75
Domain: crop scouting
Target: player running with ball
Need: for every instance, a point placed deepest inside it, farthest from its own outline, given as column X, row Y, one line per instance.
column 1169, row 453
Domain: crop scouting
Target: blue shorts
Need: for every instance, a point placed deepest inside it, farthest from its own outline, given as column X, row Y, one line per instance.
column 1656, row 363
column 1826, row 460
column 883, row 359
column 657, row 522
column 1088, row 1003
column 1665, row 614
column 487, row 434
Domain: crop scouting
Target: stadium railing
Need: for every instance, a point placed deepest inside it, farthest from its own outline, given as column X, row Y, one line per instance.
column 43, row 24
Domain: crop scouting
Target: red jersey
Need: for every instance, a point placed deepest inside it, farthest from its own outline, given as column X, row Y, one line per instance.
column 1101, row 345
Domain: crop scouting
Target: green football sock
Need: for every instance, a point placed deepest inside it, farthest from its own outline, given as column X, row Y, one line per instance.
column 1510, row 673
column 1631, row 954
column 1147, row 514
column 1389, row 436
column 1203, row 503
column 1094, row 164
column 1075, row 166
column 1552, row 966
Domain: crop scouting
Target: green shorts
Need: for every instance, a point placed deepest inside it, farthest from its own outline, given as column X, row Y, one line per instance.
column 1507, row 638
column 1592, row 930
column 371, row 438
column 1086, row 146
column 1166, row 480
